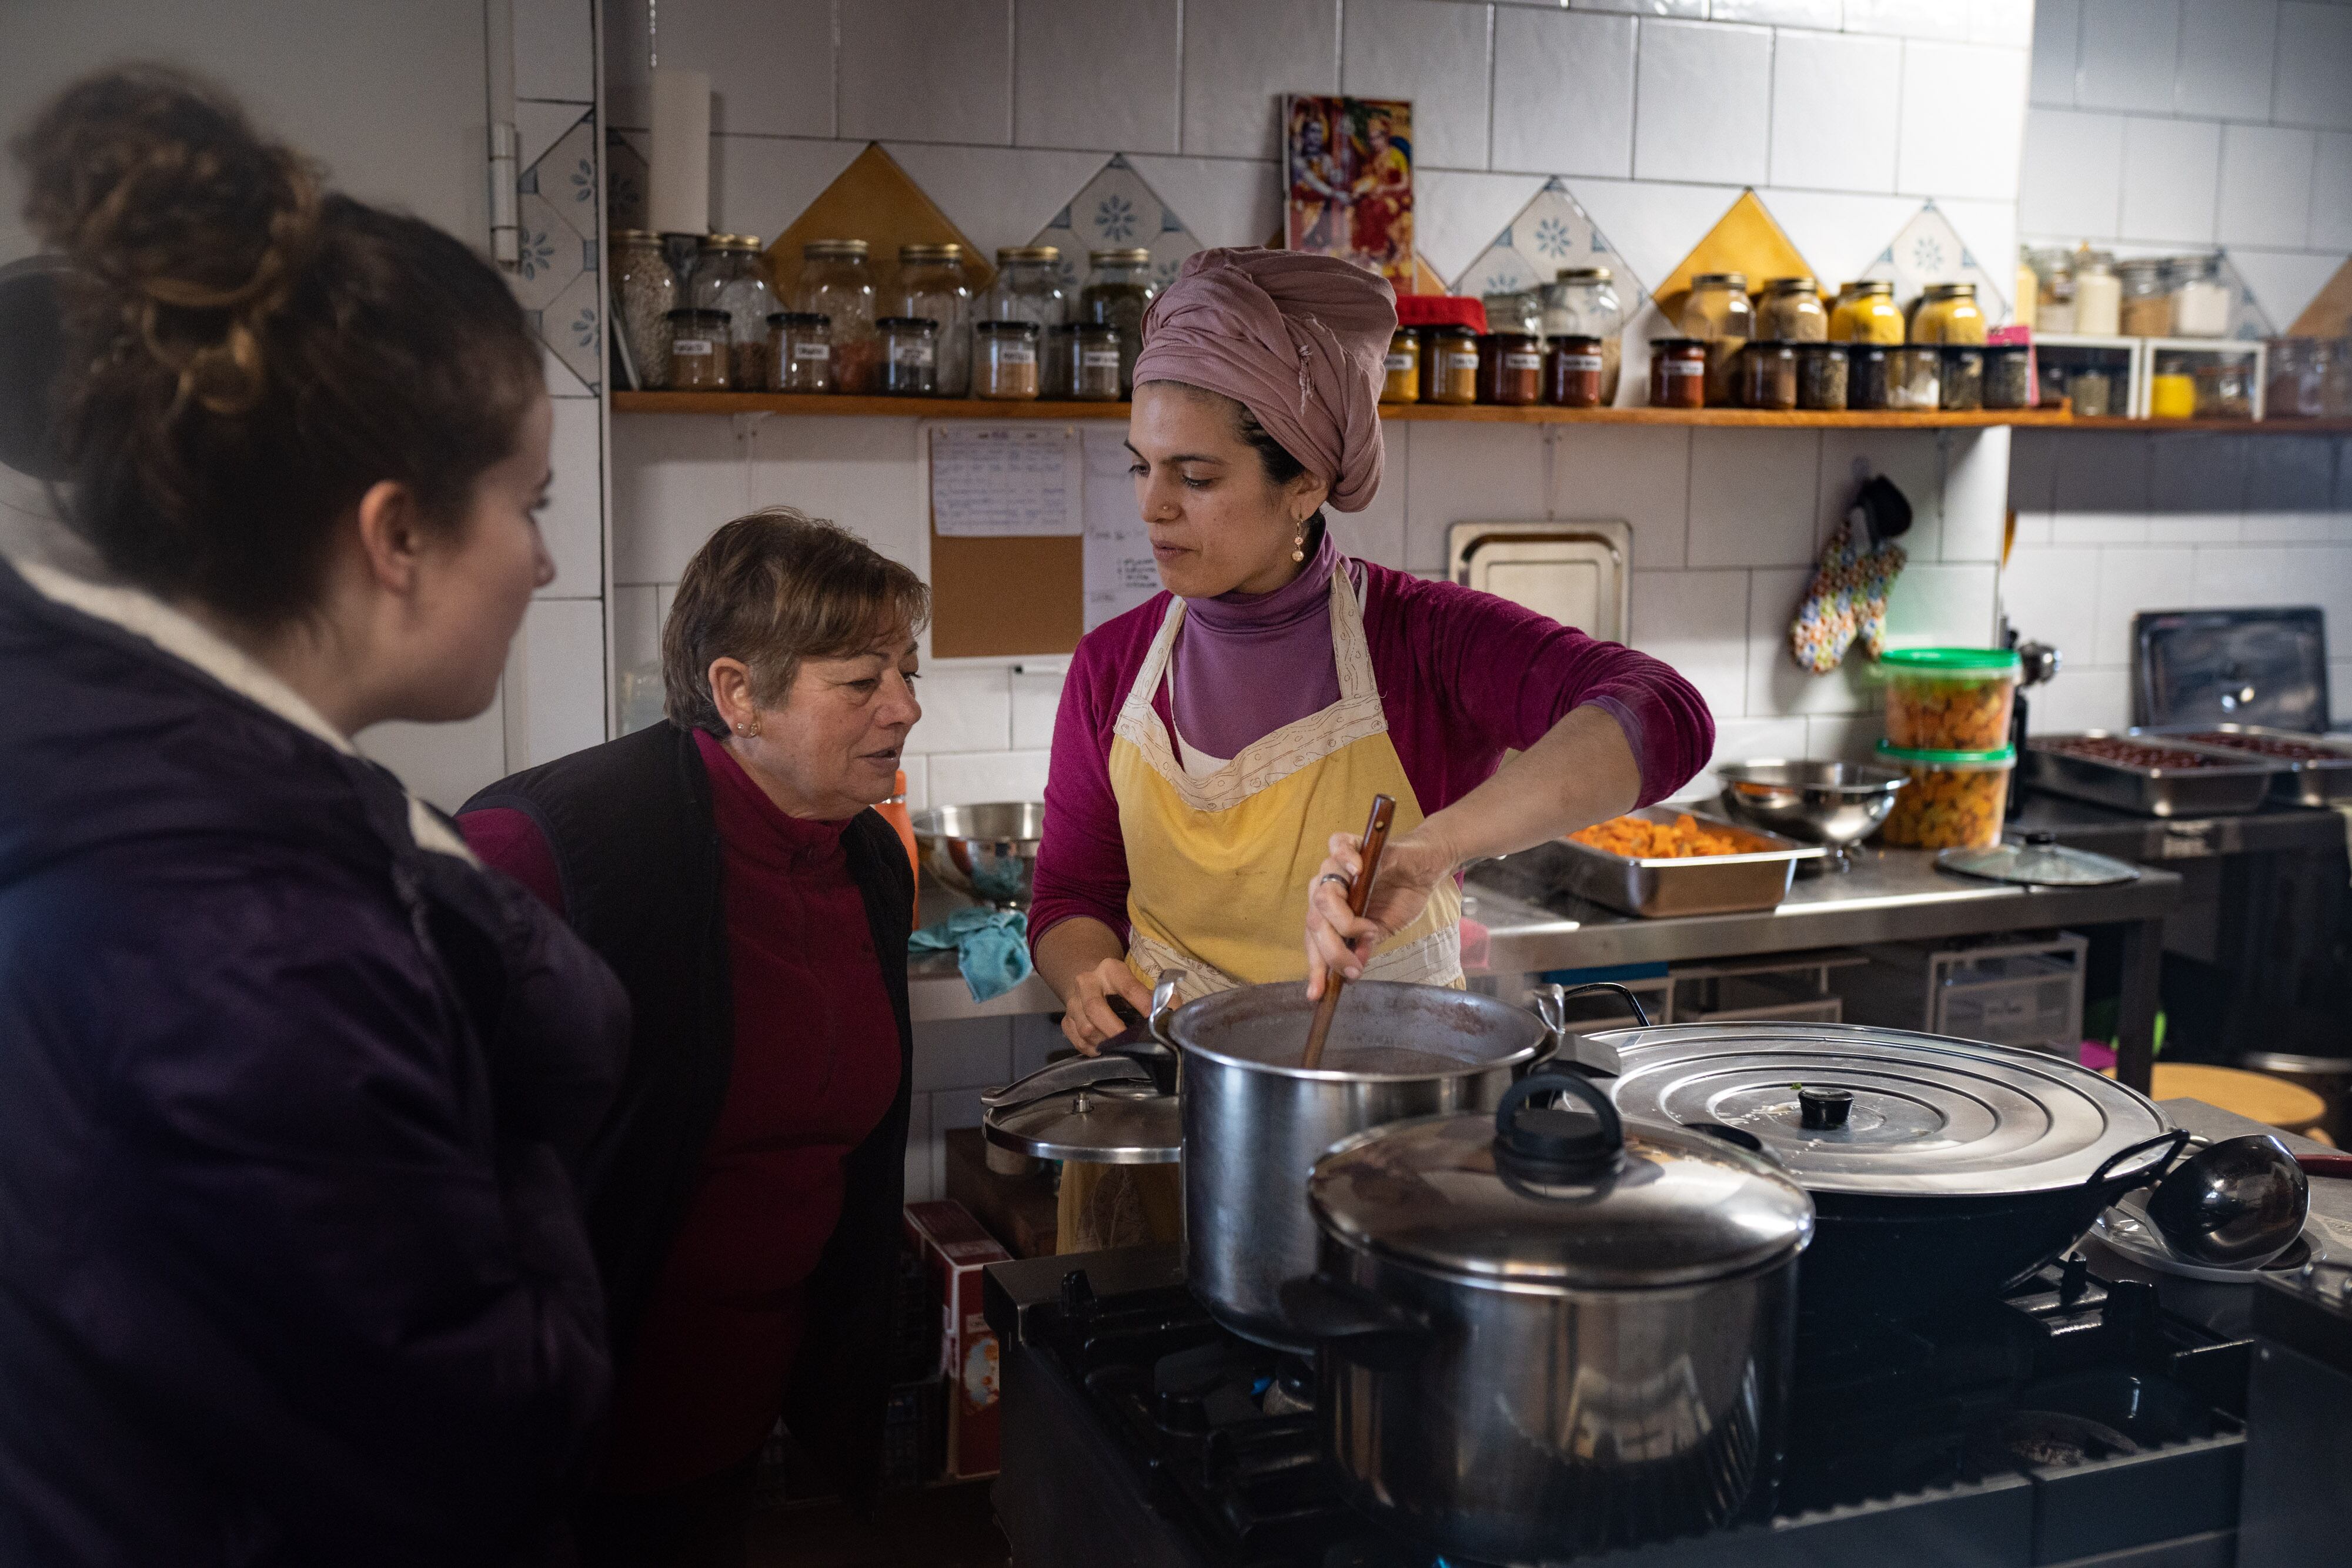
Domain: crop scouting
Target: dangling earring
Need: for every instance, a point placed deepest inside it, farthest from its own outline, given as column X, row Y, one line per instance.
column 1299, row 547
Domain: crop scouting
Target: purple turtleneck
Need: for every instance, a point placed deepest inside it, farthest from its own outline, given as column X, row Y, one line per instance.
column 1221, row 695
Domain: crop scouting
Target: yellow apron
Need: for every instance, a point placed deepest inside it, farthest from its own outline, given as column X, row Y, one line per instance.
column 1218, row 869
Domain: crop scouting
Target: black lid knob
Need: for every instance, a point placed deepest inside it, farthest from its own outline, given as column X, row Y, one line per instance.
column 1555, row 1145
column 1819, row 1109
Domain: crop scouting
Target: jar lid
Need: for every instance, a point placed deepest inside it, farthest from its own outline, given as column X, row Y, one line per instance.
column 1963, row 761
column 1537, row 1199
column 2009, row 348
column 1720, row 280
column 1576, row 340
column 735, row 242
column 1583, row 275
column 1867, row 288
column 906, row 324
column 835, row 249
column 1824, row 351
column 950, row 252
column 1063, row 330
column 636, row 236
column 1028, row 253
column 1006, row 328
column 1454, row 330
column 1780, row 348
column 699, row 316
column 2140, row 266
column 1134, row 256
column 799, row 318
column 1507, row 336
column 1950, row 660
column 1095, row 330
column 1879, row 350
column 1960, row 350
column 1790, row 285
column 1673, row 343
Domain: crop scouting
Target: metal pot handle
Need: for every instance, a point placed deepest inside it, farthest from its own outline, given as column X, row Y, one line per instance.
column 1550, row 1004
column 1064, row 1077
column 1529, row 1146
column 2177, row 1138
column 1352, row 1322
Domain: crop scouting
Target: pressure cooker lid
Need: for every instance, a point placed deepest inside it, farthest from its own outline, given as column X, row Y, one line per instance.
column 1384, row 1029
column 1532, row 1197
column 1112, row 1109
column 1851, row 1109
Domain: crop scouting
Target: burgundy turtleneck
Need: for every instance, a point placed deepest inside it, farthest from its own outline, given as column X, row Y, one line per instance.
column 1223, row 692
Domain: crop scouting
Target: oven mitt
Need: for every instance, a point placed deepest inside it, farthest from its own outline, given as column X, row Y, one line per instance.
column 1847, row 598
column 991, row 945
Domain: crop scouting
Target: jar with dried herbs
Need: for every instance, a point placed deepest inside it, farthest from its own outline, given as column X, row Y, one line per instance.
column 645, row 290
column 2145, row 307
column 1822, row 376
column 1582, row 302
column 1117, row 292
column 2007, row 375
column 931, row 285
column 732, row 276
column 1790, row 312
column 1004, row 360
column 1718, row 313
column 1028, row 286
column 698, row 351
column 1962, row 390
column 836, row 282
column 800, row 352
column 1095, row 367
column 1870, row 376
column 1768, row 376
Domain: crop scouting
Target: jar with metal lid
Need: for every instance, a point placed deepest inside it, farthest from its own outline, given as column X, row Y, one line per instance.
column 1677, row 372
column 800, row 352
column 1915, row 378
column 1449, row 365
column 1963, row 369
column 732, row 276
column 1401, row 381
column 1117, row 292
column 1095, row 363
column 2090, row 393
column 2200, row 300
column 1582, row 302
column 909, row 356
column 2054, row 276
column 931, row 283
column 1057, row 360
column 699, row 357
column 645, row 290
column 835, row 282
column 1519, row 311
column 1870, row 376
column 2225, row 388
column 1028, row 286
column 2008, row 375
column 1867, row 313
column 1575, row 371
column 1004, row 360
column 1948, row 313
column 2098, row 294
column 1768, row 376
column 1790, row 312
column 1510, row 369
column 1717, row 314
column 2146, row 306
column 1822, row 376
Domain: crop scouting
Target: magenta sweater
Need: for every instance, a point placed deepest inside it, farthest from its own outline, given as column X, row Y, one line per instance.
column 1464, row 677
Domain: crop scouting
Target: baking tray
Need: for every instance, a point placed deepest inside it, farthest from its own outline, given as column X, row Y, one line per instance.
column 2238, row 785
column 1757, row 878
column 2312, row 782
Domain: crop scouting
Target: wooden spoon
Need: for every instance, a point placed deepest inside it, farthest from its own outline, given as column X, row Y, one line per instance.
column 1360, row 892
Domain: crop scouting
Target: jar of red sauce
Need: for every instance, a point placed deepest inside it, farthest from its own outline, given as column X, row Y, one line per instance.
column 1677, row 372
column 1510, row 369
column 1573, row 369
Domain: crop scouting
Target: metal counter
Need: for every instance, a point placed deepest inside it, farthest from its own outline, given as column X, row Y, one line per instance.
column 2128, row 836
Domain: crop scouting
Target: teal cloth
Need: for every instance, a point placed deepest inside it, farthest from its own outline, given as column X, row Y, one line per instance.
column 991, row 945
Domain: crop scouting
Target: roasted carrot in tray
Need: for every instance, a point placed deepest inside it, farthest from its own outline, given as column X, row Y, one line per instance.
column 1637, row 838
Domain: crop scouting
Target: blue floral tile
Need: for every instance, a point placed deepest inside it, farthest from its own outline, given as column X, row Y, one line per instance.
column 1117, row 210
column 626, row 180
column 571, row 325
column 1929, row 250
column 1551, row 232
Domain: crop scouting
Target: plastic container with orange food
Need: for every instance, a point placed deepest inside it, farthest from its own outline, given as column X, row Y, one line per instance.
column 1955, row 800
column 1949, row 699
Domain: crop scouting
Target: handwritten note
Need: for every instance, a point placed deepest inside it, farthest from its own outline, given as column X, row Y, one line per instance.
column 1000, row 482
column 1119, row 572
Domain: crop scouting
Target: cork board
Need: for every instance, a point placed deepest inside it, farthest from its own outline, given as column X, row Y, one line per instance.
column 1006, row 597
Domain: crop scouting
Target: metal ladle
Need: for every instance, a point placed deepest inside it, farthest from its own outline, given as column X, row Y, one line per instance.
column 2236, row 1204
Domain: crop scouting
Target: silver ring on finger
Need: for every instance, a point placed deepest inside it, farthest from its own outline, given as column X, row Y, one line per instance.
column 1333, row 876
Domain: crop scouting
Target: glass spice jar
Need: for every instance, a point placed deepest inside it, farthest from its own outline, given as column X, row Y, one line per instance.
column 2173, row 387
column 800, row 352
column 1870, row 376
column 2053, row 276
column 732, row 276
column 1575, row 371
column 1948, row 313
column 1400, row 381
column 1028, row 286
column 2090, row 394
column 1004, row 360
column 2297, row 382
column 1915, row 378
column 2145, row 307
column 1449, row 366
column 1822, row 376
column 698, row 359
column 1867, row 313
column 1510, row 369
column 2098, row 294
column 910, row 356
column 1963, row 379
column 835, row 282
column 1582, row 302
column 1095, row 365
column 1117, row 292
column 2225, row 388
column 1677, row 372
column 1790, row 312
column 2007, row 375
column 1768, row 376
column 1717, row 314
column 2200, row 300
column 645, row 290
column 931, row 283
column 1057, row 360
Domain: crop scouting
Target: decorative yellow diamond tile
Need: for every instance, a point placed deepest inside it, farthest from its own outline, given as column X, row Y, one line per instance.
column 872, row 200
column 1745, row 239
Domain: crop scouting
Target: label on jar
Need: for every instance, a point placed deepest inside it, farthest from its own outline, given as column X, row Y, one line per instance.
column 692, row 348
column 1460, row 360
column 910, row 353
column 1523, row 361
column 1015, row 354
column 1098, row 358
column 817, row 351
column 1673, row 368
column 1399, row 363
column 1579, row 361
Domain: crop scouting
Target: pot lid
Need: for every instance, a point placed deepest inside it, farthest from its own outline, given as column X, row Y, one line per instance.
column 1921, row 1115
column 1121, row 1122
column 1532, row 1198
column 2040, row 861
column 1385, row 1031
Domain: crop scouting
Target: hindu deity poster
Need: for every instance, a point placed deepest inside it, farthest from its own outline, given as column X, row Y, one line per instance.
column 1347, row 173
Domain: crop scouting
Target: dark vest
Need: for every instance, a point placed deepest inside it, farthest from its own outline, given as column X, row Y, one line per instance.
column 638, row 849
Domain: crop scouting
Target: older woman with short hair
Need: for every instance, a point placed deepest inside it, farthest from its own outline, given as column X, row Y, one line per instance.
column 744, row 1201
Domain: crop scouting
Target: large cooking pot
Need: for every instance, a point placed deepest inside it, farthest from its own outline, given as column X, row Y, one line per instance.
column 1255, row 1121
column 1545, row 1332
column 1942, row 1170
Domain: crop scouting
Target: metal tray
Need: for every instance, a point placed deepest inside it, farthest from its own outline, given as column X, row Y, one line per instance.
column 2239, row 785
column 2307, row 783
column 1757, row 878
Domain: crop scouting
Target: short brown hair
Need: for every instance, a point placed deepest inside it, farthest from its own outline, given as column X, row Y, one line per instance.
column 772, row 589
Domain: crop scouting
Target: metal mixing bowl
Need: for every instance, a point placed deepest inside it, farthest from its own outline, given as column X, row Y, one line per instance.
column 987, row 853
column 1833, row 803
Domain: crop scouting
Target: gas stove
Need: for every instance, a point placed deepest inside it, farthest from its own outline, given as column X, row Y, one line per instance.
column 2071, row 1421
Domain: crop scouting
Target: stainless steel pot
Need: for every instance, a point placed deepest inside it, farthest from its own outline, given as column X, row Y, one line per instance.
column 1255, row 1121
column 1544, row 1334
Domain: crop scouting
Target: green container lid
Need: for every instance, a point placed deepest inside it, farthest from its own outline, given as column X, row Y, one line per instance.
column 1962, row 760
column 1961, row 662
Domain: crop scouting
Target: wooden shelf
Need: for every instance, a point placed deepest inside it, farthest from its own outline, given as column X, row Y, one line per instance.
column 2231, row 426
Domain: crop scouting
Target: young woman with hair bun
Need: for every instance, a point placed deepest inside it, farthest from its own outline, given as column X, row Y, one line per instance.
column 293, row 1093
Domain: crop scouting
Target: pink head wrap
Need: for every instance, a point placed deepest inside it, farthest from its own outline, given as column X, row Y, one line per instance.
column 1299, row 340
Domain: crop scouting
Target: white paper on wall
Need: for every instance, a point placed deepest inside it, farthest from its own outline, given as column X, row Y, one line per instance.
column 1119, row 571
column 1000, row 482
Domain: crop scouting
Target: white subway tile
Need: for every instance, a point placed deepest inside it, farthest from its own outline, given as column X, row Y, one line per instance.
column 1378, row 533
column 2098, row 529
column 1938, row 605
column 923, row 1159
column 1457, row 213
column 2331, row 194
column 1776, row 684
column 445, row 763
column 2284, row 281
column 1463, row 473
column 759, row 184
column 2005, row 22
column 2102, row 473
column 918, row 771
column 857, row 472
column 1651, row 226
column 974, row 778
column 1641, row 475
column 1908, row 459
column 1036, row 698
column 2292, row 527
column 563, row 678
column 1844, row 738
column 2048, row 593
column 2226, row 57
column 926, row 70
column 1752, row 497
column 676, row 477
column 2081, row 698
column 2231, row 576
column 1222, row 201
column 1692, row 9
column 2127, row 53
column 1839, row 232
column 2057, row 30
column 2171, row 169
column 1095, row 73
column 1819, row 14
column 1824, row 85
column 2072, row 182
column 555, row 50
column 1703, row 104
column 1973, row 155
column 2266, row 185
column 2033, row 529
column 964, row 710
column 773, row 78
column 1436, row 57
column 1976, row 466
column 1908, row 18
column 2194, row 528
column 1541, row 123
column 2315, row 66
column 1240, row 57
column 2322, row 575
column 1696, row 621
column 997, row 195
column 963, row 1053
column 2132, row 581
column 1745, row 740
column 573, row 523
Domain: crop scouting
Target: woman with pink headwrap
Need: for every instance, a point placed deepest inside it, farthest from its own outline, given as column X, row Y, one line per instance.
column 1218, row 746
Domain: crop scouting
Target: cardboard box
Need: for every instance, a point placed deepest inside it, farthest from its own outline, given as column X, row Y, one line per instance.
column 957, row 1248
